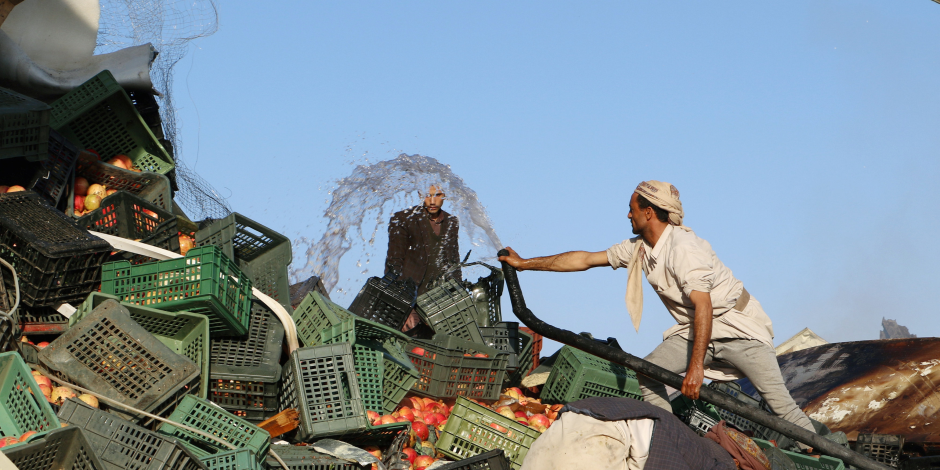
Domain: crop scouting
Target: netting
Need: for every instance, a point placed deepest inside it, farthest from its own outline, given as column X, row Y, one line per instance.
column 169, row 25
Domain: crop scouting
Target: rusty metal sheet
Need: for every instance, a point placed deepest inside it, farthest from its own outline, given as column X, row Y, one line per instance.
column 882, row 386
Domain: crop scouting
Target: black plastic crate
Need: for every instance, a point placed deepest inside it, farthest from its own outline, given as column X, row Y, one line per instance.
column 9, row 334
column 123, row 445
column 921, row 463
column 56, row 172
column 56, row 261
column 884, row 448
column 504, row 336
column 492, row 460
column 385, row 301
column 42, row 321
column 24, row 126
column 110, row 353
column 244, row 373
column 66, row 448
column 128, row 216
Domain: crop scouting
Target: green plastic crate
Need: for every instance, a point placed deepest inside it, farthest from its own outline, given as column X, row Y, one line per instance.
column 262, row 254
column 468, row 433
column 152, row 187
column 398, row 377
column 24, row 126
column 305, row 458
column 320, row 383
column 185, row 333
column 240, row 459
column 449, row 310
column 577, row 375
column 99, row 115
column 204, row 282
column 22, row 405
column 806, row 462
column 206, row 416
column 445, row 371
column 370, row 369
column 315, row 313
column 66, row 448
column 355, row 329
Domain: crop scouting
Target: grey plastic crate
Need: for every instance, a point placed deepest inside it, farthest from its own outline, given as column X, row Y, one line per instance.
column 66, row 448
column 449, row 310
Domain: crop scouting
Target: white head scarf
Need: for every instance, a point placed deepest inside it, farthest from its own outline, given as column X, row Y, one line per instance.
column 666, row 197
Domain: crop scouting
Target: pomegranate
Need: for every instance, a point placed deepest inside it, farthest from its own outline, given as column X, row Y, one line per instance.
column 126, row 161
column 26, row 435
column 389, row 419
column 3, row 188
column 60, row 394
column 539, row 420
column 434, row 419
column 42, row 344
column 423, row 461
column 118, row 163
column 374, row 451
column 92, row 202
column 410, row 453
column 498, row 427
column 186, row 244
column 8, row 441
column 91, row 400
column 521, row 414
column 15, row 189
column 506, row 411
column 421, row 430
column 373, row 416
column 416, row 402
column 79, row 203
column 481, row 355
column 406, row 413
column 98, row 189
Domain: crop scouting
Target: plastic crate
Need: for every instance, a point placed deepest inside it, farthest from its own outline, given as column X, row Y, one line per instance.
column 245, row 373
column 445, row 371
column 125, row 215
column 884, row 448
column 24, row 126
column 261, row 253
column 492, row 460
column 206, row 416
column 123, row 445
column 110, row 353
column 204, row 282
column 320, row 383
column 448, row 309
column 468, row 433
column 184, row 333
column 526, row 362
column 22, row 405
column 504, row 336
column 700, row 416
column 305, row 458
column 55, row 260
column 931, row 462
column 536, row 345
column 806, row 462
column 9, row 333
column 385, row 374
column 240, row 459
column 42, row 321
column 54, row 177
column 385, row 301
column 99, row 115
column 59, row 449
column 315, row 313
column 733, row 389
column 152, row 187
column 577, row 375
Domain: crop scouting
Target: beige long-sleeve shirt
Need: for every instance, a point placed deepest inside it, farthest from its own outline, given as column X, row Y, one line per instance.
column 680, row 263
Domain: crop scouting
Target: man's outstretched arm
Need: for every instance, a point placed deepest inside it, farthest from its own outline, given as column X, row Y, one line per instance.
column 702, row 331
column 563, row 262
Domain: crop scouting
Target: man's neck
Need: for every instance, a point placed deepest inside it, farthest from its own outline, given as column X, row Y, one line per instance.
column 434, row 217
column 653, row 232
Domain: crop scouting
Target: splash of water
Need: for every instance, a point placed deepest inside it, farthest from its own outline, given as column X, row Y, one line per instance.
column 382, row 188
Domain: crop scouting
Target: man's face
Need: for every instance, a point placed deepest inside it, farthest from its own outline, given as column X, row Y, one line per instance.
column 637, row 216
column 433, row 200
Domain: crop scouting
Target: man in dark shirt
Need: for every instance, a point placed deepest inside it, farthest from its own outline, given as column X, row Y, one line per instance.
column 422, row 245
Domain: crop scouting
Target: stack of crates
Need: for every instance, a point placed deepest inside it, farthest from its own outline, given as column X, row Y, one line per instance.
column 577, row 375
column 451, row 367
column 261, row 253
column 245, row 372
column 207, row 417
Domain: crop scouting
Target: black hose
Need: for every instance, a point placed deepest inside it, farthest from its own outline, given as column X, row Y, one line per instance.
column 648, row 369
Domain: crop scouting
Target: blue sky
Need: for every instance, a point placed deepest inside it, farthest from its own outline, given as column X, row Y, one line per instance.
column 802, row 136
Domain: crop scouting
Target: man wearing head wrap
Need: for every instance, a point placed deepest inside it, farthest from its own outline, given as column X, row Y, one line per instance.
column 722, row 333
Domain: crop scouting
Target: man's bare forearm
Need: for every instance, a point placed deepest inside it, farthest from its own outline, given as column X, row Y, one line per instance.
column 702, row 331
column 563, row 262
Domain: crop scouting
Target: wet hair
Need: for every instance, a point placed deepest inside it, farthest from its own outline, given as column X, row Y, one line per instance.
column 661, row 214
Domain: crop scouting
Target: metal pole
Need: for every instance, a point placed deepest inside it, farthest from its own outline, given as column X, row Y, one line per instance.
column 647, row 369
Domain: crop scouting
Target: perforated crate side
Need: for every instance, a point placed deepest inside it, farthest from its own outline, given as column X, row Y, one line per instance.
column 125, row 215
column 315, row 313
column 356, row 329
column 110, row 353
column 305, row 458
column 492, row 460
column 55, row 260
column 153, row 187
column 184, row 333
column 22, row 406
column 399, row 376
column 240, row 395
column 536, row 345
column 54, row 176
column 526, row 363
column 734, row 389
column 204, row 282
column 480, row 378
column 448, row 309
column 370, row 369
column 804, row 461
column 24, row 126
column 240, row 459
column 122, row 445
column 205, row 416
column 468, row 433
column 577, row 375
column 99, row 115
column 251, row 359
column 385, row 301
column 504, row 336
column 261, row 253
column 320, row 383
column 884, row 448
column 66, row 448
